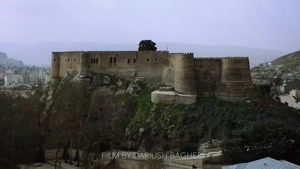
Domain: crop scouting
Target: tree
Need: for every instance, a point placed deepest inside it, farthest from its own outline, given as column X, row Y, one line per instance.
column 90, row 120
column 269, row 138
column 277, row 81
column 18, row 126
column 147, row 45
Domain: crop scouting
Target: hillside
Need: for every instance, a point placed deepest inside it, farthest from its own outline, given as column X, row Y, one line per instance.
column 290, row 60
column 100, row 112
column 127, row 119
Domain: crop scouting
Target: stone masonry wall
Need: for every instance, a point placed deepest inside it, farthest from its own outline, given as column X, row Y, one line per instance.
column 148, row 64
column 222, row 77
column 208, row 73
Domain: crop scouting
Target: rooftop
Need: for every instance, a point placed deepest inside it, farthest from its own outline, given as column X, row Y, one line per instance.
column 264, row 163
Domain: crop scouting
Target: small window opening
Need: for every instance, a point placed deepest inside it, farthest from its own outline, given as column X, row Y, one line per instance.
column 115, row 59
column 96, row 61
column 133, row 60
column 68, row 60
column 128, row 61
column 54, row 60
column 148, row 59
column 155, row 59
column 91, row 60
column 110, row 59
column 74, row 60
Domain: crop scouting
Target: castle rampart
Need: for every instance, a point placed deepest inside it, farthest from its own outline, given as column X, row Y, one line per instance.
column 226, row 78
column 208, row 73
column 148, row 64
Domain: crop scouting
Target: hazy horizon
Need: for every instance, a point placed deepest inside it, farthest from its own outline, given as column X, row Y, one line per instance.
column 265, row 24
column 258, row 24
column 40, row 53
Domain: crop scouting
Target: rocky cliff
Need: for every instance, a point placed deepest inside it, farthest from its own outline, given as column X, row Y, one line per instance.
column 100, row 111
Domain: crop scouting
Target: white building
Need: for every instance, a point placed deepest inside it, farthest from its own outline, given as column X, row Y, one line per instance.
column 295, row 93
column 12, row 79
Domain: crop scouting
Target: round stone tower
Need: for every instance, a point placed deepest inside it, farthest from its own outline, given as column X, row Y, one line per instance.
column 84, row 63
column 236, row 69
column 184, row 74
column 236, row 83
column 55, row 63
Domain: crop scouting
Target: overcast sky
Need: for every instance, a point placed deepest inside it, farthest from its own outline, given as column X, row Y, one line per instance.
column 270, row 24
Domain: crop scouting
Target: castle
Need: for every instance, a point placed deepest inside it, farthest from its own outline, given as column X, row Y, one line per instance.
column 186, row 77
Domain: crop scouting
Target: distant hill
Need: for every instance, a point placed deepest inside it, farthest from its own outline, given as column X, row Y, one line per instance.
column 40, row 53
column 4, row 60
column 290, row 60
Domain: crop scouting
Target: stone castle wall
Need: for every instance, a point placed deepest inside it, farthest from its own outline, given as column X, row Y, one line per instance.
column 224, row 77
column 208, row 73
column 148, row 64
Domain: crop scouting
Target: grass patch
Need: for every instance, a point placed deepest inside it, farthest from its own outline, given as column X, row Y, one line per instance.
column 143, row 106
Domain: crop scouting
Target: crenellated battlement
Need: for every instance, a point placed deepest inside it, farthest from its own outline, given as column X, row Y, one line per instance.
column 208, row 58
column 243, row 61
column 112, row 52
column 235, row 57
column 221, row 58
column 179, row 53
column 200, row 62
